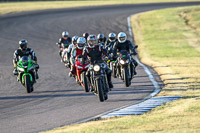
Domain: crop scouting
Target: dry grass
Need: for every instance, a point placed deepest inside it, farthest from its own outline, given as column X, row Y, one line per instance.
column 13, row 7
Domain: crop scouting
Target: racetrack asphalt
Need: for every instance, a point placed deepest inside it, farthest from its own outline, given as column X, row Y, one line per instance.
column 57, row 99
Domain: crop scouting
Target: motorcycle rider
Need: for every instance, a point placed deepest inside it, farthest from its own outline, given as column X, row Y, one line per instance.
column 110, row 42
column 101, row 39
column 124, row 44
column 71, row 46
column 85, row 35
column 76, row 51
column 64, row 41
column 94, row 52
column 23, row 50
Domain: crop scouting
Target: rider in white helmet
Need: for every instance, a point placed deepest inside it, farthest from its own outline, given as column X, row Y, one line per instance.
column 72, row 45
column 76, row 51
column 124, row 44
column 64, row 42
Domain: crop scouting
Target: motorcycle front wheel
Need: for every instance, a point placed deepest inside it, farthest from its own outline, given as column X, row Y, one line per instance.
column 85, row 82
column 126, row 77
column 27, row 83
column 100, row 90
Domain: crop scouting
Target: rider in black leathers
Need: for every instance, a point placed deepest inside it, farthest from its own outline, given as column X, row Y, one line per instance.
column 24, row 51
column 124, row 44
column 110, row 42
column 64, row 42
column 94, row 52
column 101, row 39
column 85, row 35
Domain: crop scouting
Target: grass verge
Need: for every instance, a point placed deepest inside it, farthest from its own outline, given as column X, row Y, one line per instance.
column 169, row 41
column 13, row 7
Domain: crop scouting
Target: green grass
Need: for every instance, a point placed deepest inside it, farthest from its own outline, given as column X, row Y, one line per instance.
column 13, row 7
column 171, row 41
column 168, row 41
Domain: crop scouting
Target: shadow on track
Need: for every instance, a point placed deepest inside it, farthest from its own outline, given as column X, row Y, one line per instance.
column 46, row 96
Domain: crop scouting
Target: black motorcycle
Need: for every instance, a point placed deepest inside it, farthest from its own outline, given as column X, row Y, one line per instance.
column 99, row 82
column 125, row 67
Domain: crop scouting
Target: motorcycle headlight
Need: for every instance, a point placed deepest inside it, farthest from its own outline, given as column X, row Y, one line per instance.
column 96, row 68
column 122, row 62
column 127, row 61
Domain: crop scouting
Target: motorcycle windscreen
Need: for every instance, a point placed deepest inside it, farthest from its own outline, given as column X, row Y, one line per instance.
column 24, row 60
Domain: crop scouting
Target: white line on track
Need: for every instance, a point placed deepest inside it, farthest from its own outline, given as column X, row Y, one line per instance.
column 158, row 89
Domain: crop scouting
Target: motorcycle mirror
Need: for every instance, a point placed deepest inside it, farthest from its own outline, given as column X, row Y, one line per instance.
column 136, row 46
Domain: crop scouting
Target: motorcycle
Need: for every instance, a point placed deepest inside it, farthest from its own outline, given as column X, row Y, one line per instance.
column 124, row 70
column 64, row 57
column 99, row 82
column 62, row 52
column 80, row 74
column 125, row 67
column 27, row 74
column 111, row 64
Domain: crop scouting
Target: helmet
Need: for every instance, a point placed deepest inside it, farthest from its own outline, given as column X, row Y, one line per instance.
column 112, row 37
column 81, row 42
column 74, row 40
column 23, row 44
column 100, row 37
column 85, row 35
column 92, row 40
column 122, row 37
column 65, row 34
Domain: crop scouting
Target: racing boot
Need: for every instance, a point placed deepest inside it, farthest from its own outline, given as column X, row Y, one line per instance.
column 135, row 73
column 72, row 71
column 36, row 70
column 90, row 84
column 70, row 74
column 15, row 72
column 110, row 85
column 109, row 81
column 136, row 64
column 37, row 77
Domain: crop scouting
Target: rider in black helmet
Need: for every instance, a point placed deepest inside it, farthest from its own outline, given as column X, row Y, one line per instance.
column 101, row 39
column 64, row 42
column 110, row 42
column 23, row 50
column 124, row 44
column 85, row 35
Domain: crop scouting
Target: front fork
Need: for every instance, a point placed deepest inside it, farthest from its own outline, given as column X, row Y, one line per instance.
column 25, row 74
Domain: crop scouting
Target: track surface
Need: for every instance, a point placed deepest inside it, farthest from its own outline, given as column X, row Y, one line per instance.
column 57, row 99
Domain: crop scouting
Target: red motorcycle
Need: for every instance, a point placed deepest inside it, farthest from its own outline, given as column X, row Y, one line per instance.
column 80, row 74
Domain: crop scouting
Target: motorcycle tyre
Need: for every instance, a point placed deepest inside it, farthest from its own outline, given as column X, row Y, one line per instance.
column 85, row 82
column 100, row 92
column 126, row 77
column 27, row 83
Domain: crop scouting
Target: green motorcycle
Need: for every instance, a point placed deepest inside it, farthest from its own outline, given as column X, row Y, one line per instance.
column 26, row 73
